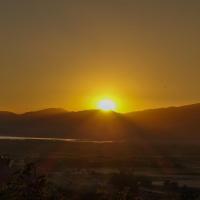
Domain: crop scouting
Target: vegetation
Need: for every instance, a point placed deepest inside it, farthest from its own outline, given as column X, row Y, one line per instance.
column 27, row 183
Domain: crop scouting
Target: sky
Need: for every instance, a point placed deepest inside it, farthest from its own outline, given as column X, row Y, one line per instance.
column 72, row 53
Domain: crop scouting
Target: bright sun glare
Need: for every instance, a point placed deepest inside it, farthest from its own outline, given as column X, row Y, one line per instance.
column 107, row 105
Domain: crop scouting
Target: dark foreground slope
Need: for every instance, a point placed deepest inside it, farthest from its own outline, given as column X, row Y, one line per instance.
column 174, row 123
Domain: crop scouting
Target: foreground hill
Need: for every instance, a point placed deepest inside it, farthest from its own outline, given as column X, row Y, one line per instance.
column 166, row 124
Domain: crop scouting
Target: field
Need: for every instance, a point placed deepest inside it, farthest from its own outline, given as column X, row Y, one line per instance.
column 179, row 162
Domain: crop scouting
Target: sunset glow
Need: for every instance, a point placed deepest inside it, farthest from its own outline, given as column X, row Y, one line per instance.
column 73, row 54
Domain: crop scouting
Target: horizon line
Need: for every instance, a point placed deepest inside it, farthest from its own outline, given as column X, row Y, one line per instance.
column 76, row 111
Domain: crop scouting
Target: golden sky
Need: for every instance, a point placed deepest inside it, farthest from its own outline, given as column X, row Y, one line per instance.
column 71, row 53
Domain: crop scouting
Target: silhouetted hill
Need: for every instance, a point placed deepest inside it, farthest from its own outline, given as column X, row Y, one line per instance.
column 173, row 122
column 45, row 112
column 165, row 124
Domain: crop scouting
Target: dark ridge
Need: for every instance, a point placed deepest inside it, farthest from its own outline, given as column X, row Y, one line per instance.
column 164, row 124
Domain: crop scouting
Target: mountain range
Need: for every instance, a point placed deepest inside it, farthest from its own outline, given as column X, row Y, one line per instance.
column 164, row 124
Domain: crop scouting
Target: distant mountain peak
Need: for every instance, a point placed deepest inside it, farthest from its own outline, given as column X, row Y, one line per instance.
column 48, row 111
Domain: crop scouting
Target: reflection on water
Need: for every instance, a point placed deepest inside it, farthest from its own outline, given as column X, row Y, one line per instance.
column 53, row 139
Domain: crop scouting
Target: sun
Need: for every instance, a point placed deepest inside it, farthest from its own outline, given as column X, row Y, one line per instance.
column 106, row 105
